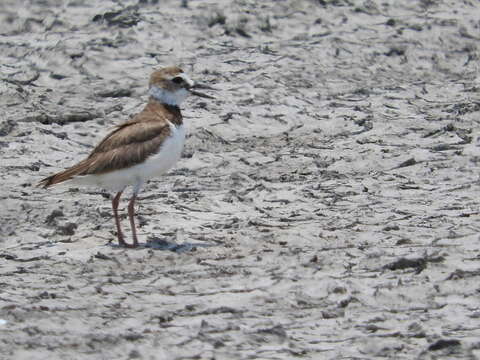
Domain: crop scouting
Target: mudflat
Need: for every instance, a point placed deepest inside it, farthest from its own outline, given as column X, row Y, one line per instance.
column 326, row 205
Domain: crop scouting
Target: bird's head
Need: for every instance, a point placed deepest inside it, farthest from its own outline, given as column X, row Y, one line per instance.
column 171, row 86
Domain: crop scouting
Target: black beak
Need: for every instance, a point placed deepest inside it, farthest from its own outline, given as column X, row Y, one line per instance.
column 200, row 86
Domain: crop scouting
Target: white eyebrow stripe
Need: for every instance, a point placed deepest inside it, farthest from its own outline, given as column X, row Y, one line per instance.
column 186, row 78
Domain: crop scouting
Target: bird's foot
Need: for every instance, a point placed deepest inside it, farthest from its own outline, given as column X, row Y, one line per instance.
column 123, row 243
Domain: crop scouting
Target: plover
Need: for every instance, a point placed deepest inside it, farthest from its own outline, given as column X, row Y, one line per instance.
column 146, row 146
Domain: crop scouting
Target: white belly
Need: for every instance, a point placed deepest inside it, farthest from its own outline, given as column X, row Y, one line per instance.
column 155, row 165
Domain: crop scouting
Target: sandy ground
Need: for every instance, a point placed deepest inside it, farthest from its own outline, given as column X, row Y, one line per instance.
column 326, row 207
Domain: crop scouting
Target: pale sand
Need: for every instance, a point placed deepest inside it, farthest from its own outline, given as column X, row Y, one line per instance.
column 331, row 192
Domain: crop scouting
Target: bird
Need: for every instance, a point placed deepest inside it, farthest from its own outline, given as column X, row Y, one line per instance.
column 144, row 147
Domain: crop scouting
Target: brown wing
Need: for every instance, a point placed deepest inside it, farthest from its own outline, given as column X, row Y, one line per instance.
column 129, row 144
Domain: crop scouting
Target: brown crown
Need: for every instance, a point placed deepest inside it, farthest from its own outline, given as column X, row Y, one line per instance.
column 159, row 76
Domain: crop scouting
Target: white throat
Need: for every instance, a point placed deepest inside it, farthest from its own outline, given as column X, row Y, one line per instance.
column 174, row 98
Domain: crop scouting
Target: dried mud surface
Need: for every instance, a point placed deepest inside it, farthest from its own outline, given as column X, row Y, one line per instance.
column 326, row 207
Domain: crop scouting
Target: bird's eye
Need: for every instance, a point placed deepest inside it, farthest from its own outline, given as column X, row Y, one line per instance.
column 177, row 80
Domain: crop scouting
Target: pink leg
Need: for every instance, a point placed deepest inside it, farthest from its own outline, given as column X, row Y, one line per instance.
column 115, row 202
column 131, row 215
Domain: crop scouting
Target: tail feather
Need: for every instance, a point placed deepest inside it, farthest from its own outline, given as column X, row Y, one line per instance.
column 62, row 175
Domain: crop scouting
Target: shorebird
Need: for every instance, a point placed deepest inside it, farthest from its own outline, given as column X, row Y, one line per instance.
column 144, row 147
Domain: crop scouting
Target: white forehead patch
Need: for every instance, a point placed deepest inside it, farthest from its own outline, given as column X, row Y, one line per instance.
column 186, row 78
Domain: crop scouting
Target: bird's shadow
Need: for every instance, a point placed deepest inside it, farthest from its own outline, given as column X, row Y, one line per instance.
column 162, row 244
column 157, row 243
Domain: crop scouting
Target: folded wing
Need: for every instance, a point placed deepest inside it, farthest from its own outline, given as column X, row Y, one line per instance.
column 129, row 144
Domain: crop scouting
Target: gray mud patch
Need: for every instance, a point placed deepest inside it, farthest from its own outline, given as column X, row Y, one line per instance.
column 326, row 205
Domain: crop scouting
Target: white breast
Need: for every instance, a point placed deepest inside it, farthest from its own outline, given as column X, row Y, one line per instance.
column 168, row 154
column 157, row 164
